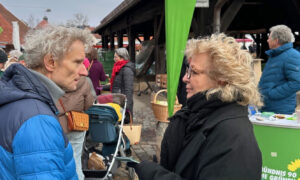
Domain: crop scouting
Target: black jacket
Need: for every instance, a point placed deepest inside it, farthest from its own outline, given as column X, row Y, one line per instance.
column 123, row 83
column 217, row 143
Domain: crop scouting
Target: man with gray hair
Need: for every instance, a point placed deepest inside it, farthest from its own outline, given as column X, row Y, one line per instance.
column 32, row 142
column 281, row 76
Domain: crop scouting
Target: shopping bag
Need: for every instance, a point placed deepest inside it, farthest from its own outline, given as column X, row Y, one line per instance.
column 133, row 132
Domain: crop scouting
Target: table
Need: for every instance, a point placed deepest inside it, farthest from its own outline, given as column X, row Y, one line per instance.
column 279, row 142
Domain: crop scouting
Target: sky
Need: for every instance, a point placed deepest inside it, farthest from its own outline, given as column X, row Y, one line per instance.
column 61, row 10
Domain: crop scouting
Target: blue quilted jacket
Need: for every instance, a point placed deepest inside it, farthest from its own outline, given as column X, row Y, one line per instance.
column 281, row 80
column 32, row 143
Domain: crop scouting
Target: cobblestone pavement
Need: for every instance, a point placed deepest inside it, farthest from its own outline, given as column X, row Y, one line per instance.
column 142, row 114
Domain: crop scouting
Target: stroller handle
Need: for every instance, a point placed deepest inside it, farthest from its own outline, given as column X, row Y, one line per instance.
column 112, row 98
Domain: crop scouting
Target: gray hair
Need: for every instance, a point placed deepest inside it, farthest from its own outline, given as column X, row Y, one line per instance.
column 123, row 53
column 53, row 40
column 282, row 33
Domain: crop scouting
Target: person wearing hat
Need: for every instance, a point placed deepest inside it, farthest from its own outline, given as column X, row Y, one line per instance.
column 3, row 59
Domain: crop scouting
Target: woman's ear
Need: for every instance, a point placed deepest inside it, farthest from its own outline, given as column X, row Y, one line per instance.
column 222, row 83
column 49, row 62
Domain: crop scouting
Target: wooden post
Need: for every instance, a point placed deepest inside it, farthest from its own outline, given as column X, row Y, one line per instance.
column 120, row 39
column 230, row 14
column 131, row 40
column 112, row 41
column 104, row 41
column 146, row 37
column 160, row 66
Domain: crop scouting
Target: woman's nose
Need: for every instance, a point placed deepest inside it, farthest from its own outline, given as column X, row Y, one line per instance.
column 185, row 79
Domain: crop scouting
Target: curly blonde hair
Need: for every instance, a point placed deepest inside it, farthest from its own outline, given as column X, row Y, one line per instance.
column 231, row 66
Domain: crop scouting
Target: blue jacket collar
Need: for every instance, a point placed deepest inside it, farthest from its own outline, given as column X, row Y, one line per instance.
column 20, row 83
column 279, row 50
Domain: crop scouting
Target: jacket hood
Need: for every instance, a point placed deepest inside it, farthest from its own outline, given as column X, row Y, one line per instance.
column 131, row 66
column 279, row 50
column 19, row 83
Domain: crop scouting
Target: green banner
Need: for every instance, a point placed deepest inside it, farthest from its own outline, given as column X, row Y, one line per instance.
column 178, row 16
column 1, row 29
column 280, row 150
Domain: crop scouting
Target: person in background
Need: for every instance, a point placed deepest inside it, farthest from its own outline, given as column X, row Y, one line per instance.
column 86, row 63
column 280, row 79
column 3, row 59
column 15, row 54
column 32, row 142
column 212, row 136
column 79, row 100
column 13, row 57
column 122, row 78
column 96, row 71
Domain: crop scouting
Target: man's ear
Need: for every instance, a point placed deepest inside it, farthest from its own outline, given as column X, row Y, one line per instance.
column 49, row 63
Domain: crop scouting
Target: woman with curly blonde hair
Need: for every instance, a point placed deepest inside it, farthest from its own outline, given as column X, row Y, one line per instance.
column 211, row 137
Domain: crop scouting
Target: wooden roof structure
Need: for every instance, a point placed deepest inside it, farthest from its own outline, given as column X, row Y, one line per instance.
column 135, row 18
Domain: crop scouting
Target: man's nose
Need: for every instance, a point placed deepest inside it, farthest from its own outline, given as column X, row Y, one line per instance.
column 83, row 71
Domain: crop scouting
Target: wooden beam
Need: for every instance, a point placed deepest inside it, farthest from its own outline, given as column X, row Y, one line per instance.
column 138, row 16
column 138, row 38
column 230, row 13
column 157, row 29
column 253, row 31
column 131, row 41
column 120, row 39
column 297, row 6
column 146, row 36
column 112, row 41
column 195, row 26
column 104, row 41
column 144, row 16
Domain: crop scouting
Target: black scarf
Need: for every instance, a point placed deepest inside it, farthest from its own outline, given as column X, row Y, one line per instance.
column 183, row 124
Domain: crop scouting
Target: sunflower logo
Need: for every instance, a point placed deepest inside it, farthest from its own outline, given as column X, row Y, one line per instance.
column 294, row 165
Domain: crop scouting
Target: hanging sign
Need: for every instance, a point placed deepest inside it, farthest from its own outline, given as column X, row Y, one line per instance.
column 202, row 3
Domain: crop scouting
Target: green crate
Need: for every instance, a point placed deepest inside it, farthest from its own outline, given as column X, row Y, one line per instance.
column 107, row 60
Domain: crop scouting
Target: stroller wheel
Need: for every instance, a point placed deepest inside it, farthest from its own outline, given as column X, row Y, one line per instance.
column 128, row 152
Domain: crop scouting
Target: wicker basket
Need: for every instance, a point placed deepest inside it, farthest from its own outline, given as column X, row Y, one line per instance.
column 161, row 111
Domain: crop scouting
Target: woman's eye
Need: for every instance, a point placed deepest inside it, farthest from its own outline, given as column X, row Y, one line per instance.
column 194, row 72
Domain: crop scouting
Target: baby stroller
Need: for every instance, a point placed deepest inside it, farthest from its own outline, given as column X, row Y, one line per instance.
column 105, row 136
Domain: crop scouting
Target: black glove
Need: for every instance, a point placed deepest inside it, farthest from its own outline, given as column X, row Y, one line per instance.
column 132, row 164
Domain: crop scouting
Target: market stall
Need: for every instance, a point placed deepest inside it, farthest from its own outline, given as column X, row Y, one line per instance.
column 279, row 140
